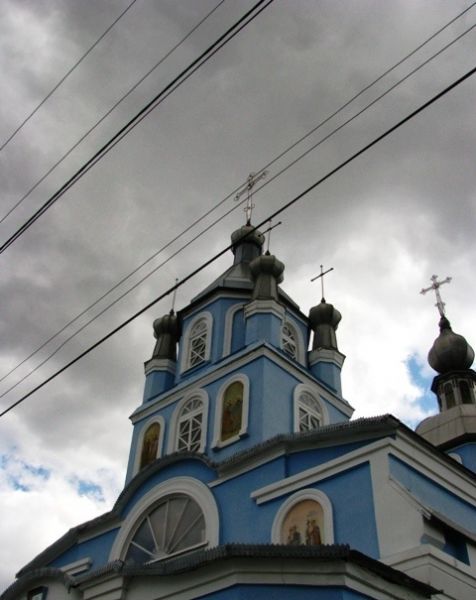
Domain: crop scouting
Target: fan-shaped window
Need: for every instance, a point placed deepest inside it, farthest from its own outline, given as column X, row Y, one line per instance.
column 289, row 340
column 150, row 445
column 190, row 425
column 308, row 412
column 174, row 525
column 198, row 341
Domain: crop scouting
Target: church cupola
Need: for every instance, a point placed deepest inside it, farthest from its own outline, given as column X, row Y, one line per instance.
column 325, row 360
column 451, row 357
column 265, row 314
column 160, row 369
column 247, row 244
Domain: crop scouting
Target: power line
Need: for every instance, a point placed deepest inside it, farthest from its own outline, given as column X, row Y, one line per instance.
column 227, row 248
column 247, row 18
column 284, row 169
column 68, row 73
column 108, row 112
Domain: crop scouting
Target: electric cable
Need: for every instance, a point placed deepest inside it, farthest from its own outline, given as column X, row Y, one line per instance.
column 275, row 176
column 183, row 76
column 108, row 112
column 68, row 73
column 277, row 212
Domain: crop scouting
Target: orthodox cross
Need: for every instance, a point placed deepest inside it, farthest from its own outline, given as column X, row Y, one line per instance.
column 440, row 305
column 321, row 276
column 252, row 180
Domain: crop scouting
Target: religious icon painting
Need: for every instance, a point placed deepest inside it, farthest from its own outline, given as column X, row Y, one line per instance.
column 150, row 445
column 304, row 524
column 232, row 411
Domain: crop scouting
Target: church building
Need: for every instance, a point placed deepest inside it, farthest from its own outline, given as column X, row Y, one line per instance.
column 248, row 479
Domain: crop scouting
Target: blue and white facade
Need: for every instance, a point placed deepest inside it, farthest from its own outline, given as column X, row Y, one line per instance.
column 247, row 477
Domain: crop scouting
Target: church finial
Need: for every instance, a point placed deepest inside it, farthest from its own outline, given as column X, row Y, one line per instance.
column 252, row 180
column 321, row 276
column 440, row 305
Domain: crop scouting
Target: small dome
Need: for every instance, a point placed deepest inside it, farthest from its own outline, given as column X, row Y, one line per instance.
column 324, row 314
column 246, row 235
column 450, row 351
column 167, row 333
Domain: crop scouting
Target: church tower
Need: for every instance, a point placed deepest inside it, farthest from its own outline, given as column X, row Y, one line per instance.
column 247, row 477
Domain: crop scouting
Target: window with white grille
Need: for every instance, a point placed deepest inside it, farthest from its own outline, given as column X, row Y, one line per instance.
column 308, row 412
column 190, row 426
column 289, row 340
column 176, row 524
column 198, row 343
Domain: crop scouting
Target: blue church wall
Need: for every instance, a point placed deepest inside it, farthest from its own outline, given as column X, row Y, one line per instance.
column 296, row 592
column 238, row 332
column 433, row 495
column 97, row 549
column 335, row 415
column 351, row 496
column 235, row 525
column 467, row 452
column 329, row 374
column 300, row 461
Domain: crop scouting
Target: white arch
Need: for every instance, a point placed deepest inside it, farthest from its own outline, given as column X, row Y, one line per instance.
column 178, row 485
column 217, row 443
column 228, row 329
column 185, row 356
column 306, row 494
column 173, row 427
column 155, row 419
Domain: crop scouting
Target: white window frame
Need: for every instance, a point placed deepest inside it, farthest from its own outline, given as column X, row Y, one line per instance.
column 161, row 422
column 306, row 494
column 303, row 388
column 228, row 330
column 298, row 340
column 175, row 429
column 217, row 442
column 189, row 486
column 208, row 320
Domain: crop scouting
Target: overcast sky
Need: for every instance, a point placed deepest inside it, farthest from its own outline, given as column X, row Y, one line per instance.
column 386, row 223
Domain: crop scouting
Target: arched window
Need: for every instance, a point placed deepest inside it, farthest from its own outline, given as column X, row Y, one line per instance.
column 190, row 425
column 304, row 519
column 289, row 340
column 150, row 445
column 465, row 392
column 175, row 524
column 308, row 412
column 449, row 395
column 197, row 340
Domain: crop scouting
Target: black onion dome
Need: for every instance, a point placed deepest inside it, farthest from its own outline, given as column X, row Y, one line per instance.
column 324, row 314
column 166, row 332
column 450, row 351
column 246, row 235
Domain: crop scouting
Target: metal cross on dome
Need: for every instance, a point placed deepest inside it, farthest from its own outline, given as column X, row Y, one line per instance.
column 321, row 275
column 440, row 305
column 252, row 180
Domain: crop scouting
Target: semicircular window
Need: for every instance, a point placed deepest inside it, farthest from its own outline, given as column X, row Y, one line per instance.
column 176, row 524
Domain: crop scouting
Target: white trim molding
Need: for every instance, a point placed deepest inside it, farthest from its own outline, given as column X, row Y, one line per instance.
column 287, row 505
column 228, row 328
column 217, row 443
column 140, row 440
column 189, row 486
column 264, row 306
column 159, row 364
column 173, row 427
column 78, row 566
column 185, row 355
